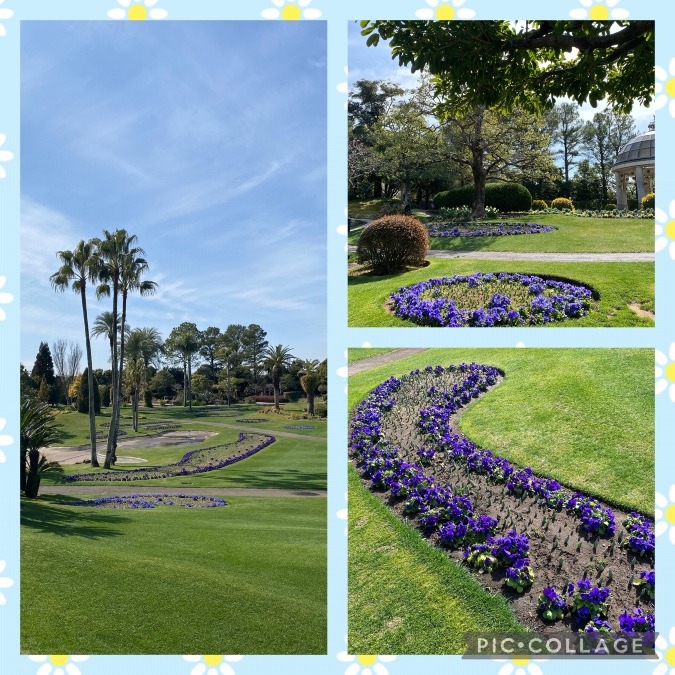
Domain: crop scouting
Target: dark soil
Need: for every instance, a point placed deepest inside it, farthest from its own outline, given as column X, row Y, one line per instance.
column 560, row 550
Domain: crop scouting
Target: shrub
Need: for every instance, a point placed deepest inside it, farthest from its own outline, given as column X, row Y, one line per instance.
column 539, row 205
column 610, row 207
column 390, row 209
column 104, row 393
column 562, row 204
column 648, row 201
column 147, row 398
column 507, row 197
column 390, row 243
column 265, row 398
column 293, row 396
column 320, row 409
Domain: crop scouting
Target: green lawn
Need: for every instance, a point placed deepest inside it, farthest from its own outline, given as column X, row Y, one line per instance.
column 619, row 284
column 574, row 235
column 582, row 416
column 289, row 463
column 405, row 596
column 173, row 580
column 354, row 355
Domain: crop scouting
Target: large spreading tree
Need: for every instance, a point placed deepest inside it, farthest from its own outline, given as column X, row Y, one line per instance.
column 526, row 64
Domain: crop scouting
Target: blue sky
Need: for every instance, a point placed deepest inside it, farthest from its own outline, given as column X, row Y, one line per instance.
column 375, row 63
column 208, row 141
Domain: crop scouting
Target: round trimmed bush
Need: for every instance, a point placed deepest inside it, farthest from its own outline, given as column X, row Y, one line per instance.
column 539, row 205
column 390, row 243
column 507, row 197
column 610, row 207
column 562, row 204
column 648, row 201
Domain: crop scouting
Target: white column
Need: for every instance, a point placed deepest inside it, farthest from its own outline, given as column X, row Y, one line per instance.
column 621, row 199
column 639, row 185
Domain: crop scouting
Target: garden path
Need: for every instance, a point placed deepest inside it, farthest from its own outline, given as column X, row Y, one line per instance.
column 536, row 257
column 381, row 359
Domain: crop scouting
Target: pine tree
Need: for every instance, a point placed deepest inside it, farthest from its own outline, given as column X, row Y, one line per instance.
column 44, row 367
column 44, row 391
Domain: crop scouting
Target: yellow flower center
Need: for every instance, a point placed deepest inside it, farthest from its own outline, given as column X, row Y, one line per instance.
column 670, row 372
column 669, row 229
column 367, row 660
column 670, row 87
column 213, row 660
column 445, row 13
column 137, row 13
column 521, row 663
column 670, row 517
column 291, row 13
column 598, row 13
column 58, row 660
column 670, row 656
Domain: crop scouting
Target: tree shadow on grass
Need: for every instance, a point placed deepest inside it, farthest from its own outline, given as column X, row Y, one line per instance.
column 49, row 514
column 286, row 479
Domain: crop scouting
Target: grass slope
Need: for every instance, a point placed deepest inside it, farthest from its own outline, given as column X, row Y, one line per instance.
column 582, row 416
column 574, row 235
column 174, row 580
column 619, row 284
column 406, row 597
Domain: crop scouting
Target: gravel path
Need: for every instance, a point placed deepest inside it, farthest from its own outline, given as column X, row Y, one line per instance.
column 107, row 490
column 258, row 430
column 381, row 359
column 536, row 257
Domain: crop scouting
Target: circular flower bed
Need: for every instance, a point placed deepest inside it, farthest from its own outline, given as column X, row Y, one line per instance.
column 486, row 229
column 502, row 299
column 151, row 501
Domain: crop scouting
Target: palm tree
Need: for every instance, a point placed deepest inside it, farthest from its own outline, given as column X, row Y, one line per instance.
column 310, row 379
column 135, row 368
column 105, row 325
column 37, row 430
column 151, row 348
column 121, row 274
column 275, row 360
column 183, row 343
column 77, row 268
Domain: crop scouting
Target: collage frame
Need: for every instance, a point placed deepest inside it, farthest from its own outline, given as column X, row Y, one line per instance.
column 337, row 14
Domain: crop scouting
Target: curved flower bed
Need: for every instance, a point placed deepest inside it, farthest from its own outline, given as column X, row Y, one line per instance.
column 157, row 426
column 299, row 426
column 526, row 531
column 151, row 501
column 195, row 461
column 486, row 229
column 252, row 420
column 503, row 299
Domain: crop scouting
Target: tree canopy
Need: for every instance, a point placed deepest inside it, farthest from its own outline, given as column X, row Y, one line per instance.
column 526, row 64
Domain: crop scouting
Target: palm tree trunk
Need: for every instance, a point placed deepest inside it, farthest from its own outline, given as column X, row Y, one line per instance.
column 114, row 416
column 90, row 380
column 189, row 382
column 276, row 383
column 120, row 373
column 310, row 403
column 24, row 459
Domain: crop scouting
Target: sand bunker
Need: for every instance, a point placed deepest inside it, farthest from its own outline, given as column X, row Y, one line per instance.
column 78, row 454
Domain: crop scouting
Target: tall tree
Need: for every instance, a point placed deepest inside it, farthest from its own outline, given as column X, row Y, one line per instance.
column 183, row 343
column 121, row 274
column 567, row 133
column 507, row 146
column 253, row 347
column 135, row 368
column 44, row 368
column 368, row 101
column 506, row 64
column 59, row 355
column 209, row 348
column 598, row 147
column 78, row 267
column 276, row 360
column 310, row 379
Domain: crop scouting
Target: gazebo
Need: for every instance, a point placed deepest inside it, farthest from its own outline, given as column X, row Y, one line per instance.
column 636, row 161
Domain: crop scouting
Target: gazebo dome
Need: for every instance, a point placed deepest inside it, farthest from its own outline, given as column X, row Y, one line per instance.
column 639, row 150
column 635, row 164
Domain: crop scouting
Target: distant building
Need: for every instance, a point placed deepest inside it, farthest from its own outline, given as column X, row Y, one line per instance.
column 635, row 161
